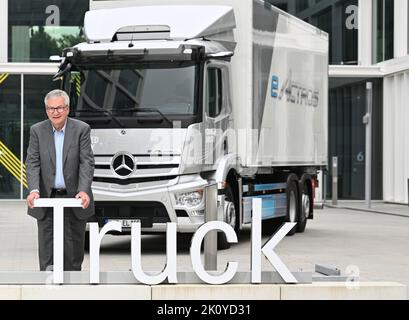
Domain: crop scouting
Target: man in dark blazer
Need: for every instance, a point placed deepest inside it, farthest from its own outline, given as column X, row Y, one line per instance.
column 60, row 164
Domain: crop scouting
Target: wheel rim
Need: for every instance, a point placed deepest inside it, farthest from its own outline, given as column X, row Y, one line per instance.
column 230, row 213
column 293, row 207
column 306, row 205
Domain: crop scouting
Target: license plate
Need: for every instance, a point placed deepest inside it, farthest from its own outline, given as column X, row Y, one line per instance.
column 124, row 222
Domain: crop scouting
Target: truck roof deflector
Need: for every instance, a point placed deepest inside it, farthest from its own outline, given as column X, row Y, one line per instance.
column 131, row 33
column 184, row 22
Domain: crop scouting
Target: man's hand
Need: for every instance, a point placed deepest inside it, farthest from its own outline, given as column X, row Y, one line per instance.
column 31, row 197
column 85, row 200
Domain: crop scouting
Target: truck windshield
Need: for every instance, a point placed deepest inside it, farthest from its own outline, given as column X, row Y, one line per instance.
column 146, row 94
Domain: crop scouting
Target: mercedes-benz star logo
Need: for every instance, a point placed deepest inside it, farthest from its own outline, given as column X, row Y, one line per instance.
column 123, row 164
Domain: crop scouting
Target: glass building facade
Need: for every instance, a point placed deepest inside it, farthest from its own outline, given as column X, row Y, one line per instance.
column 39, row 29
column 347, row 96
column 347, row 107
column 21, row 105
column 383, row 27
column 10, row 133
column 36, row 30
column 338, row 18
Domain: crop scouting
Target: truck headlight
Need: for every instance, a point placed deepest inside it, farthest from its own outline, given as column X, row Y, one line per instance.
column 189, row 199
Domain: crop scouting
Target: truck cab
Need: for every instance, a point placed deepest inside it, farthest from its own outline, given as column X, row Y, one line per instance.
column 150, row 99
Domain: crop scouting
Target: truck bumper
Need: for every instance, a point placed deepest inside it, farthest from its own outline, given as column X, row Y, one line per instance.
column 154, row 207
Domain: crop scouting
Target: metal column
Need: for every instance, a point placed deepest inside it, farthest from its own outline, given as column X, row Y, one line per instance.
column 368, row 148
column 334, row 181
column 210, row 241
column 3, row 31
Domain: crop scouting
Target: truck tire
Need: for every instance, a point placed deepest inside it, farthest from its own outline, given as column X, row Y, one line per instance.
column 271, row 226
column 231, row 218
column 292, row 204
column 305, row 207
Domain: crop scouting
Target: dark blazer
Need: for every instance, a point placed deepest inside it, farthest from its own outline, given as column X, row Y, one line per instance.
column 78, row 163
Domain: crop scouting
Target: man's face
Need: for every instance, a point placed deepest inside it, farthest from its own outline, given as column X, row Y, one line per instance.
column 57, row 111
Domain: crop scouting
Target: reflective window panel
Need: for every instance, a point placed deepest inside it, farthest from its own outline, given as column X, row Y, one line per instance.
column 35, row 89
column 383, row 27
column 10, row 135
column 347, row 107
column 39, row 29
column 339, row 18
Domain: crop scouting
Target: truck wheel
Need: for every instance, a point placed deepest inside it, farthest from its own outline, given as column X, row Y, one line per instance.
column 304, row 208
column 292, row 204
column 230, row 214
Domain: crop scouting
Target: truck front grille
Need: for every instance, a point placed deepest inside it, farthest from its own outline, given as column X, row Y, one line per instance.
column 124, row 182
column 141, row 166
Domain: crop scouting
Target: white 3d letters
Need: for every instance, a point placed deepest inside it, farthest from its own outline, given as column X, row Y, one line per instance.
column 170, row 271
column 58, row 206
column 195, row 253
column 267, row 250
column 171, row 252
column 95, row 238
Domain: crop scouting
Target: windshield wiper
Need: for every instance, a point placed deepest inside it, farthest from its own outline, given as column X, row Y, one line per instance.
column 93, row 106
column 150, row 109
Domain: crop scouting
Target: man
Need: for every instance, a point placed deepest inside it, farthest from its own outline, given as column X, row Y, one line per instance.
column 60, row 164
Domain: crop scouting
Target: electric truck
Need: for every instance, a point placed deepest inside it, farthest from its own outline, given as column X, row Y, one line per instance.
column 181, row 97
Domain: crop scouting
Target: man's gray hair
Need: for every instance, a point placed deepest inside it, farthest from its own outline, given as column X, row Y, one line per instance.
column 57, row 93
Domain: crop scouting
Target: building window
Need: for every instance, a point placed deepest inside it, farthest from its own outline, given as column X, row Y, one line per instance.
column 35, row 89
column 281, row 4
column 349, row 32
column 41, row 28
column 10, row 132
column 339, row 18
column 323, row 20
column 301, row 5
column 214, row 92
column 383, row 27
column 347, row 107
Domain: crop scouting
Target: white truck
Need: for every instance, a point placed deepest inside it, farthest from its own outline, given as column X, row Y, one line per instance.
column 180, row 97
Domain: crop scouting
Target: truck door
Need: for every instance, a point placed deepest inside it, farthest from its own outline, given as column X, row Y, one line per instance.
column 217, row 113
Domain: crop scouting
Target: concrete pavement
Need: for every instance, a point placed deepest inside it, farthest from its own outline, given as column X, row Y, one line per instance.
column 373, row 246
column 376, row 207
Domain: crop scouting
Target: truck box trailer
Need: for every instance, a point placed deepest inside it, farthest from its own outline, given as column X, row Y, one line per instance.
column 182, row 96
